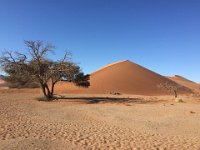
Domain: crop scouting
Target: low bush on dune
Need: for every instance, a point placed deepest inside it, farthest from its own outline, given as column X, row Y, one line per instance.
column 27, row 85
column 115, row 93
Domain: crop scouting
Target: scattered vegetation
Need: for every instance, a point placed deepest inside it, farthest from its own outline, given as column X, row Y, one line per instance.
column 179, row 100
column 35, row 67
column 192, row 112
column 23, row 85
column 115, row 93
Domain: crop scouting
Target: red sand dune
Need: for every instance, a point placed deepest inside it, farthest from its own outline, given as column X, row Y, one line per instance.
column 185, row 82
column 122, row 77
column 2, row 83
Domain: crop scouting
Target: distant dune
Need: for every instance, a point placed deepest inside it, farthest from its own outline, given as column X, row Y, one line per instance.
column 185, row 82
column 122, row 77
column 2, row 82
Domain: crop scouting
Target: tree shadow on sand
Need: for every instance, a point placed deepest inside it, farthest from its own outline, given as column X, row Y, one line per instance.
column 117, row 100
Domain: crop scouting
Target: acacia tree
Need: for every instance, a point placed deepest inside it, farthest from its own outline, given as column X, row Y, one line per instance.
column 170, row 87
column 36, row 67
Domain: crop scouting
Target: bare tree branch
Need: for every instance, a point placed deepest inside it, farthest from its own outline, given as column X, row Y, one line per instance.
column 38, row 68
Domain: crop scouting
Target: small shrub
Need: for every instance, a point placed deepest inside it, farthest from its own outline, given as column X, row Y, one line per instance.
column 115, row 93
column 178, row 100
column 192, row 112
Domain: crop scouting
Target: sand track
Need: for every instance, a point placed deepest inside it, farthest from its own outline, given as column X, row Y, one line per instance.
column 27, row 123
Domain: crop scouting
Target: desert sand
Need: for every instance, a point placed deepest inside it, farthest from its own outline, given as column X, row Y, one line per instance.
column 142, row 122
column 2, row 82
column 185, row 82
column 124, row 77
column 142, row 116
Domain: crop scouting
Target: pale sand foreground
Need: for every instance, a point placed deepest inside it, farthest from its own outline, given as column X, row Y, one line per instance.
column 26, row 123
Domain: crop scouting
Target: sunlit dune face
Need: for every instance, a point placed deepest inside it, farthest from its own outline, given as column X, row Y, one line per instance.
column 122, row 77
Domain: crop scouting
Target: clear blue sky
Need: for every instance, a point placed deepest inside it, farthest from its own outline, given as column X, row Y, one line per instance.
column 162, row 35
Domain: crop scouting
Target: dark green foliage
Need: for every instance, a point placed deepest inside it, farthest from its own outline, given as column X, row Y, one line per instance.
column 82, row 80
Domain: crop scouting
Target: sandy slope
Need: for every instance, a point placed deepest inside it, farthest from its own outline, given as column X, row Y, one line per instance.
column 123, row 77
column 68, row 124
column 2, row 82
column 185, row 82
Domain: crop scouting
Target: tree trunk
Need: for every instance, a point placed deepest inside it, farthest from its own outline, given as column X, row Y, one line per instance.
column 52, row 88
column 175, row 94
column 47, row 93
column 43, row 90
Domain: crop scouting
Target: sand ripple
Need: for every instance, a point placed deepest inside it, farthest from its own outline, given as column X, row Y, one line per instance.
column 28, row 124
